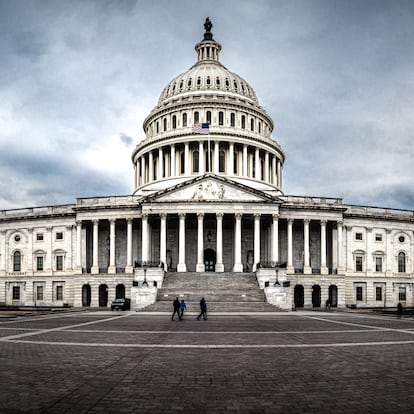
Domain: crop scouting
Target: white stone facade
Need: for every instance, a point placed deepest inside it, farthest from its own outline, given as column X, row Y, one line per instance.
column 207, row 202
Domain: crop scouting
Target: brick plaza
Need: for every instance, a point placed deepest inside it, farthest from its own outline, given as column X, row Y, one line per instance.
column 298, row 362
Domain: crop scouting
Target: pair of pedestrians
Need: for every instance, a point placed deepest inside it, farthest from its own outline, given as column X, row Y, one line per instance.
column 179, row 308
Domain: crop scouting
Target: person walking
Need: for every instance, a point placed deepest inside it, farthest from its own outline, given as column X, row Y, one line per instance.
column 182, row 307
column 203, row 309
column 328, row 304
column 176, row 306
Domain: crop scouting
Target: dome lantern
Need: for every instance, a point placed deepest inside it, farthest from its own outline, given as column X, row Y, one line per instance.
column 208, row 49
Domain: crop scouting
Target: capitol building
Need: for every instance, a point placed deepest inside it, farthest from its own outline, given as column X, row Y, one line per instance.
column 208, row 200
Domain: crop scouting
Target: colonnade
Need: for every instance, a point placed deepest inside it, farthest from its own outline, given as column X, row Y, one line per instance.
column 199, row 157
column 219, row 265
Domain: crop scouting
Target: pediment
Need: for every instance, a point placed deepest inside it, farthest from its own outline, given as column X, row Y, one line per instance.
column 209, row 188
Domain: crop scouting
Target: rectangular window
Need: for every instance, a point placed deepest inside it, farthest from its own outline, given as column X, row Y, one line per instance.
column 39, row 292
column 59, row 235
column 59, row 262
column 59, row 292
column 378, row 293
column 378, row 264
column 378, row 237
column 16, row 292
column 359, row 293
column 402, row 293
column 358, row 236
column 358, row 263
column 39, row 263
column 39, row 236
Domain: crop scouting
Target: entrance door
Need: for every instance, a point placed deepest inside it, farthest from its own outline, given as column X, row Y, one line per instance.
column 86, row 295
column 299, row 296
column 209, row 260
column 316, row 296
column 120, row 291
column 333, row 296
column 103, row 295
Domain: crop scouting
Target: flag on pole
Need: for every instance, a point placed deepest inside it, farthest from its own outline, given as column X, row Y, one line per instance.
column 201, row 128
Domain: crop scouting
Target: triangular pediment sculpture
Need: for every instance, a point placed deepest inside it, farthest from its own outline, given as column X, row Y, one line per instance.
column 210, row 188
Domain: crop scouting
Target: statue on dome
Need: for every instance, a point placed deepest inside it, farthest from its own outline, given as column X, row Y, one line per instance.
column 207, row 26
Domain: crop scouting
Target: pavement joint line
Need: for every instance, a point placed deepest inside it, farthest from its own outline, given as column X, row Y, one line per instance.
column 39, row 318
column 215, row 346
column 60, row 328
column 220, row 332
column 381, row 328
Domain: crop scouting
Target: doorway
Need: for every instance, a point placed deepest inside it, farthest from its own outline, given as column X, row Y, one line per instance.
column 86, row 295
column 333, row 295
column 209, row 260
column 316, row 296
column 103, row 295
column 299, row 296
column 120, row 291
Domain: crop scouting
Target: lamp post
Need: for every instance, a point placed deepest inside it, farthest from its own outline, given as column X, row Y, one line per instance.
column 144, row 266
column 277, row 274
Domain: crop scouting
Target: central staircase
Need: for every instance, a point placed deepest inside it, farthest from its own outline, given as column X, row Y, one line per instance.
column 224, row 292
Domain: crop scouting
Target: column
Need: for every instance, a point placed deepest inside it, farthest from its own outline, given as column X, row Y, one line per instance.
column 230, row 168
column 266, row 167
column 201, row 157
column 143, row 175
column 112, row 264
column 256, row 241
column 181, row 267
column 324, row 268
column 388, row 253
column 219, row 246
column 129, row 268
column 279, row 174
column 3, row 252
column 257, row 169
column 238, row 266
column 95, row 241
column 216, row 157
column 29, row 259
column 200, row 243
column 275, row 238
column 348, row 252
column 340, row 255
column 144, row 238
column 306, row 257
column 160, row 164
column 172, row 157
column 151, row 167
column 290, row 268
column 187, row 158
column 49, row 249
column 274, row 171
column 163, row 240
column 245, row 161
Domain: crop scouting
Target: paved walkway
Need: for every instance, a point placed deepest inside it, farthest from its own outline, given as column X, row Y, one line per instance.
column 298, row 362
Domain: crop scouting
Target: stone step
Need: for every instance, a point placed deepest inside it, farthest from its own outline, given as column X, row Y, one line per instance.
column 257, row 296
column 228, row 307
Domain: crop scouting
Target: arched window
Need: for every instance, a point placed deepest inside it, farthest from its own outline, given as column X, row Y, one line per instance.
column 174, row 122
column 227, row 83
column 158, row 127
column 184, row 119
column 235, row 85
column 221, row 118
column 165, row 124
column 208, row 115
column 232, row 119
column 261, row 169
column 208, row 81
column 243, row 121
column 222, row 161
column 218, row 81
column 252, row 124
column 401, row 262
column 189, row 83
column 260, row 127
column 17, row 262
column 198, row 81
column 182, row 163
column 196, row 165
column 196, row 117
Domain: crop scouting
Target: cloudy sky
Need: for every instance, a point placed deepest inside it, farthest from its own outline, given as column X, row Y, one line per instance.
column 78, row 77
